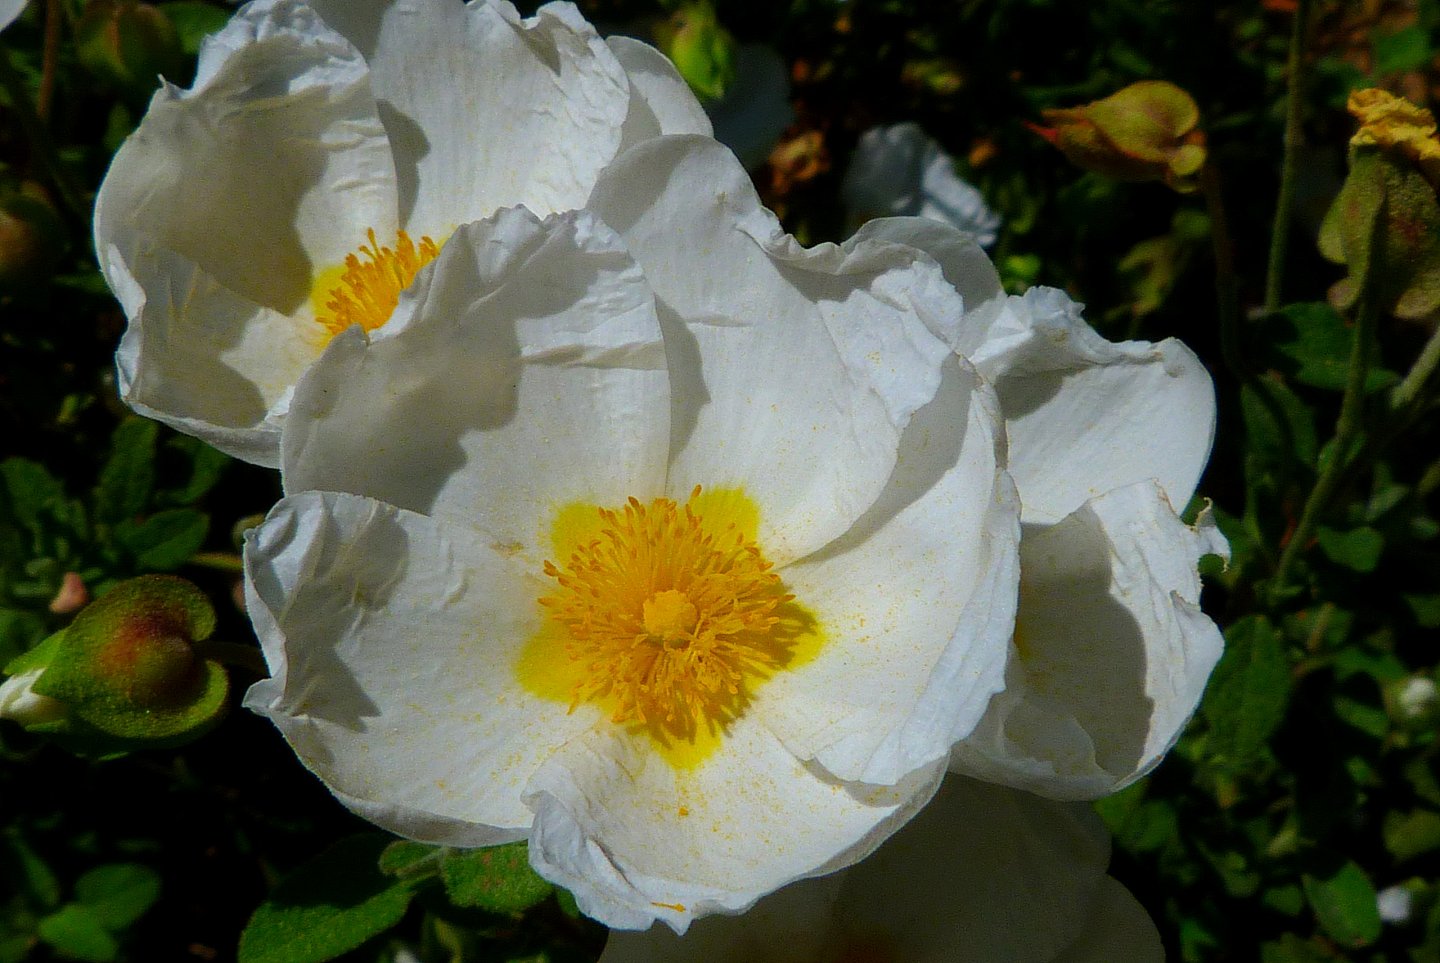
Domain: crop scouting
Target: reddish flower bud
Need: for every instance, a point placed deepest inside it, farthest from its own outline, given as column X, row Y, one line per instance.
column 1145, row 132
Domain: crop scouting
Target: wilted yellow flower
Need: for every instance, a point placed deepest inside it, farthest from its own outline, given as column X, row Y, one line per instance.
column 1394, row 124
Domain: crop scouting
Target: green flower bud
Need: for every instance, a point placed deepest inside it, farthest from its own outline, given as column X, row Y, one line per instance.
column 128, row 44
column 125, row 673
column 1145, row 132
column 1385, row 224
column 702, row 50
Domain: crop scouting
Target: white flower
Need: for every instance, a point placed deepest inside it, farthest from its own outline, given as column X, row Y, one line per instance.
column 899, row 171
column 1111, row 651
column 1395, row 904
column 10, row 11
column 521, row 620
column 326, row 150
column 20, row 703
column 983, row 874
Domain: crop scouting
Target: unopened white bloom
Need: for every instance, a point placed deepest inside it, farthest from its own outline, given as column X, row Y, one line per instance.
column 1395, row 904
column 899, row 171
column 19, row 702
column 1106, row 441
column 647, row 535
column 984, row 874
column 325, row 152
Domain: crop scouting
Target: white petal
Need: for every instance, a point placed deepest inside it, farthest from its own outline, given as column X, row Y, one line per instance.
column 486, row 110
column 637, row 840
column 755, row 111
column 9, row 11
column 522, row 370
column 1112, row 650
column 981, row 874
column 391, row 639
column 793, row 925
column 1118, row 929
column 899, row 171
column 916, row 602
column 660, row 100
column 1086, row 416
column 219, row 210
column 793, row 372
column 19, row 702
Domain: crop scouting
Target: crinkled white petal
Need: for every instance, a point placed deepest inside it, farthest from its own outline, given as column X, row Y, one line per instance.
column 1086, row 416
column 755, row 110
column 916, row 602
column 1112, row 651
column 522, row 371
column 19, row 702
column 1118, row 929
column 10, row 11
column 485, row 109
column 219, row 209
column 982, row 874
column 660, row 100
column 638, row 840
column 390, row 639
column 899, row 171
column 793, row 371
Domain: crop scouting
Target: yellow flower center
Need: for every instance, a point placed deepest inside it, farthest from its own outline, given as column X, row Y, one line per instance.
column 666, row 615
column 366, row 288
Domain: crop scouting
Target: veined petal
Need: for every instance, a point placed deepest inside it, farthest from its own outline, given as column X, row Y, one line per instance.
column 522, row 371
column 637, row 840
column 1118, row 929
column 213, row 263
column 660, row 100
column 983, row 873
column 916, row 601
column 485, row 109
column 390, row 637
column 1111, row 652
column 1086, row 416
column 793, row 371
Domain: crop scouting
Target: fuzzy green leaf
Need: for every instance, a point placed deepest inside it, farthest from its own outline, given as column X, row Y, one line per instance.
column 1413, row 833
column 165, row 540
column 1344, row 903
column 1248, row 691
column 1358, row 549
column 28, row 489
column 497, row 879
column 77, row 933
column 129, row 473
column 118, row 894
column 328, row 906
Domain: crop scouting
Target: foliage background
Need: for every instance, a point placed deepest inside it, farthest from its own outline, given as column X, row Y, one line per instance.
column 1304, row 784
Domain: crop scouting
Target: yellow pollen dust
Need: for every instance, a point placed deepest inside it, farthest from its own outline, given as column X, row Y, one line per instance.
column 366, row 289
column 666, row 621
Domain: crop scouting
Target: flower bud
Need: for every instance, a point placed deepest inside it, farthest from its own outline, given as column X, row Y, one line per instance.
column 1385, row 224
column 125, row 673
column 31, row 238
column 1145, row 132
column 128, row 44
column 1413, row 702
column 702, row 50
column 72, row 595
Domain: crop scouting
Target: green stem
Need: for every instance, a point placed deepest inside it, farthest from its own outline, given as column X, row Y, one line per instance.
column 41, row 148
column 223, row 561
column 1347, row 428
column 1294, row 133
column 1404, row 394
column 233, row 653
column 50, row 60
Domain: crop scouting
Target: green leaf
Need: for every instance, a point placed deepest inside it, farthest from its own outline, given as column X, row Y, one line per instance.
column 1413, row 833
column 1293, row 949
column 1358, row 549
column 1248, row 691
column 1425, row 608
column 497, row 879
column 1401, row 51
column 118, row 894
column 165, row 540
column 1344, row 903
column 1367, row 717
column 1280, row 433
column 207, row 466
column 194, row 21
column 24, row 869
column 1314, row 344
column 409, row 859
column 28, row 489
column 77, row 933
column 129, row 473
column 1287, row 899
column 328, row 906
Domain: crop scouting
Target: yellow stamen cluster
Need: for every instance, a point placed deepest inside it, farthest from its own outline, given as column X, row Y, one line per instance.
column 373, row 278
column 669, row 621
